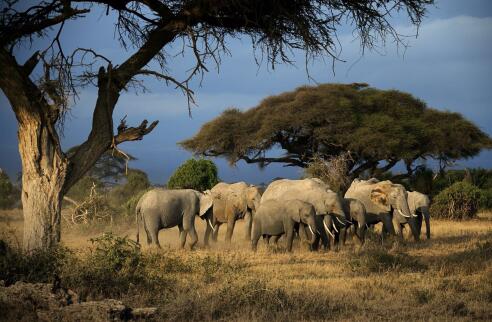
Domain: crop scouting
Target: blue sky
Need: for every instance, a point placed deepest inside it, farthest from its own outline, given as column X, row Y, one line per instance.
column 449, row 66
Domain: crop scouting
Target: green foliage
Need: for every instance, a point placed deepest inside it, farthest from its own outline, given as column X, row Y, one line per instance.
column 194, row 174
column 82, row 189
column 126, row 196
column 9, row 194
column 110, row 167
column 461, row 200
column 41, row 266
column 376, row 126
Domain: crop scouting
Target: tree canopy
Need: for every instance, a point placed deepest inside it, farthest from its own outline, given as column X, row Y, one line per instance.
column 378, row 128
column 194, row 174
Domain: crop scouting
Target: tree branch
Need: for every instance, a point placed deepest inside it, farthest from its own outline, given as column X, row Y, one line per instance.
column 134, row 133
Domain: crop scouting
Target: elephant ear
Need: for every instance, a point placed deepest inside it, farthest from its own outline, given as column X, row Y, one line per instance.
column 297, row 215
column 380, row 198
column 206, row 202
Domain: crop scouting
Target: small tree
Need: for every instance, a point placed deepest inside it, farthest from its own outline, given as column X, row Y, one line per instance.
column 8, row 192
column 194, row 174
column 459, row 201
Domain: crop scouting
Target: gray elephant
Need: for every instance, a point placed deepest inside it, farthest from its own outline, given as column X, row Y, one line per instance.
column 380, row 198
column 419, row 204
column 276, row 218
column 357, row 219
column 231, row 202
column 159, row 208
column 327, row 204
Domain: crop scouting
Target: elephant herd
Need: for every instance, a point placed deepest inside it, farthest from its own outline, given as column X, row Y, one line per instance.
column 307, row 208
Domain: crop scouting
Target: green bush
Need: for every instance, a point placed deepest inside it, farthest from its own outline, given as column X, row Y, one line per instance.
column 125, row 197
column 486, row 200
column 9, row 194
column 41, row 266
column 459, row 201
column 194, row 174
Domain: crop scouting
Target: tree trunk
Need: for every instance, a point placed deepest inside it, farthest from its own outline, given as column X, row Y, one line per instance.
column 43, row 176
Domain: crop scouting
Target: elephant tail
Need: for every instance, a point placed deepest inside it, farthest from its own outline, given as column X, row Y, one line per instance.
column 138, row 216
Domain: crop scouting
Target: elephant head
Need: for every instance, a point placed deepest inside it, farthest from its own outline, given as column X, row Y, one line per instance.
column 206, row 202
column 389, row 197
column 253, row 198
column 304, row 214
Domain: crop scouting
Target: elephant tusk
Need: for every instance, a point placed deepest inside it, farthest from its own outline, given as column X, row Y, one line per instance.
column 311, row 230
column 367, row 226
column 401, row 213
column 335, row 227
column 340, row 221
column 359, row 224
column 210, row 223
column 414, row 215
column 327, row 230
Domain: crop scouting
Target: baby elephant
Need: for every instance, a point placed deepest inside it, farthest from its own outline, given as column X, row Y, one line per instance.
column 275, row 218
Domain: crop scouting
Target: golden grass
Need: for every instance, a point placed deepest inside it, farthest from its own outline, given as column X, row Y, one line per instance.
column 447, row 278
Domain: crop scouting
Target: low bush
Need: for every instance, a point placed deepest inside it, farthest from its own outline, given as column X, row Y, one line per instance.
column 41, row 266
column 380, row 260
column 194, row 174
column 459, row 201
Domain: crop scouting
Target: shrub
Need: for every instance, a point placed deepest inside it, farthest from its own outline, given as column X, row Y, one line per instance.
column 194, row 174
column 486, row 200
column 9, row 195
column 379, row 260
column 81, row 190
column 41, row 266
column 459, row 201
column 125, row 197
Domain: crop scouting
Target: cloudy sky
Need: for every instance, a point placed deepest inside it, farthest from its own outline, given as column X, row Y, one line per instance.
column 449, row 65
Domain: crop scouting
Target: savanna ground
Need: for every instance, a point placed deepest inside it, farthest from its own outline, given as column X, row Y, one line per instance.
column 446, row 278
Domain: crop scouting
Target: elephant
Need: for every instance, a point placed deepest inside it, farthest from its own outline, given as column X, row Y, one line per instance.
column 230, row 203
column 327, row 204
column 419, row 204
column 276, row 218
column 160, row 208
column 380, row 198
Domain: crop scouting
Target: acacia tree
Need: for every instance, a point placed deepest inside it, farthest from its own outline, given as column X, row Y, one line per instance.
column 145, row 28
column 372, row 129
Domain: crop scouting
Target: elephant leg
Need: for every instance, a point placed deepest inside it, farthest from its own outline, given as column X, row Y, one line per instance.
column 230, row 229
column 418, row 222
column 290, row 237
column 315, row 246
column 208, row 230
column 255, row 236
column 426, row 214
column 147, row 232
column 182, row 235
column 189, row 228
column 275, row 239
column 249, row 223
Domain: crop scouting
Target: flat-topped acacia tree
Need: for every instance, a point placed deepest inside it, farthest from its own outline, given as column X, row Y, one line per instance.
column 371, row 129
column 145, row 28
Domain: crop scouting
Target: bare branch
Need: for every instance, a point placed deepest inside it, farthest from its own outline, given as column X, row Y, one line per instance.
column 134, row 133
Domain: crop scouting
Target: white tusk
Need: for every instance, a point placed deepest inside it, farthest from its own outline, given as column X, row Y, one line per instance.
column 401, row 213
column 414, row 215
column 335, row 227
column 210, row 223
column 367, row 226
column 327, row 230
column 340, row 221
column 358, row 224
column 311, row 230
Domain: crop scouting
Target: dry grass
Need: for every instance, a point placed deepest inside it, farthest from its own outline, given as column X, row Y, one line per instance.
column 444, row 279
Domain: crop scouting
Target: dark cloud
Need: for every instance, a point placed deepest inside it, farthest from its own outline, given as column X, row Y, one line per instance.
column 448, row 66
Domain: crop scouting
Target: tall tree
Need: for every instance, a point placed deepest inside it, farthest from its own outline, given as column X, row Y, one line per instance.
column 145, row 28
column 375, row 128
